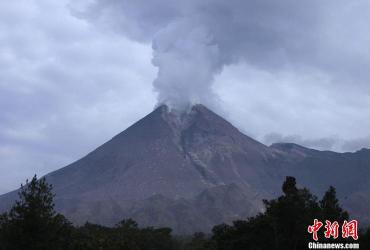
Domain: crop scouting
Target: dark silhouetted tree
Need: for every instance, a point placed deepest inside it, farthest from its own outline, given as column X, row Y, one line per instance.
column 331, row 209
column 125, row 236
column 365, row 239
column 289, row 186
column 32, row 222
column 199, row 241
column 282, row 226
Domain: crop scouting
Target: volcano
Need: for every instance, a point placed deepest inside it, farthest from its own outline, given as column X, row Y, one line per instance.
column 192, row 170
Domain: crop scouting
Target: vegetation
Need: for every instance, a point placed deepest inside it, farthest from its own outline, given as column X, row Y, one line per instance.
column 32, row 223
column 284, row 223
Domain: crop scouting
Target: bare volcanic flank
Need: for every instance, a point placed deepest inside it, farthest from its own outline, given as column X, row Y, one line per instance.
column 191, row 171
column 166, row 153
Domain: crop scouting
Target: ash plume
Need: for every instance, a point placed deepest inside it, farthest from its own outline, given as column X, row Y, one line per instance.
column 187, row 62
column 193, row 41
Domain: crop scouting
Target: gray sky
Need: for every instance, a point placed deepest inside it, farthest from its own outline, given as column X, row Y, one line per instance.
column 74, row 74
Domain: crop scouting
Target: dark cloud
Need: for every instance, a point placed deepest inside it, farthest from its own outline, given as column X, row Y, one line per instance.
column 202, row 37
column 74, row 73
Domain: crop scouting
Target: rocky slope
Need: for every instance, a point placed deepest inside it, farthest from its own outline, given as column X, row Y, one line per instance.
column 192, row 170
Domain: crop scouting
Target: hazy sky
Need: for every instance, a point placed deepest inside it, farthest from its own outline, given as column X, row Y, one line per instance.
column 75, row 73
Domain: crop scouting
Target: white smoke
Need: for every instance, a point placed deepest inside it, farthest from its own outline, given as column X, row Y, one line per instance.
column 187, row 62
column 193, row 40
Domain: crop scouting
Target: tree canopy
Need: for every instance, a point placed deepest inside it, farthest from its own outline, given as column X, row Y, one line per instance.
column 32, row 223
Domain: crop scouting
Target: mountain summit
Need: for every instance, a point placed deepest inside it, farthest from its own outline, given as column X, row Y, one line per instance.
column 191, row 170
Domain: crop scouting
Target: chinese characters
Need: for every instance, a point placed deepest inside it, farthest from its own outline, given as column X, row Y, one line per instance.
column 349, row 229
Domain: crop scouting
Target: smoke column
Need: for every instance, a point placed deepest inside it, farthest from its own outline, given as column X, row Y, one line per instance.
column 193, row 40
column 187, row 62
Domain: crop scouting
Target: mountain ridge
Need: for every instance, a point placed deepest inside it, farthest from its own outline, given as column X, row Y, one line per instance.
column 167, row 167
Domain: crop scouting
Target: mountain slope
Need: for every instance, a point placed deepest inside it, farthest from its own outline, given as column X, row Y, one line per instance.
column 165, row 153
column 192, row 170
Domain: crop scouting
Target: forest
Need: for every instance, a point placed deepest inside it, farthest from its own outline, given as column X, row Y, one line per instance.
column 33, row 224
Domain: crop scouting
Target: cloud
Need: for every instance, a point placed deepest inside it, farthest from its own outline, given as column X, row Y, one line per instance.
column 194, row 40
column 62, row 79
column 356, row 144
column 328, row 143
column 294, row 102
column 321, row 143
column 75, row 73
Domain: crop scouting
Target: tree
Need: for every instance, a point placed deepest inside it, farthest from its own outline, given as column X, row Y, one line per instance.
column 3, row 223
column 365, row 239
column 91, row 237
column 199, row 241
column 32, row 222
column 331, row 209
column 126, row 235
column 290, row 214
column 289, row 186
column 129, row 236
column 284, row 223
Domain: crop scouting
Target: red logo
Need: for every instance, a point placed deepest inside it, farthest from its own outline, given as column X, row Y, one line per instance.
column 315, row 228
column 349, row 229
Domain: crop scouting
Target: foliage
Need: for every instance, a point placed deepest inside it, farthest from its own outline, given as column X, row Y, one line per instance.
column 331, row 209
column 126, row 235
column 32, row 223
column 365, row 239
column 198, row 241
column 284, row 223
